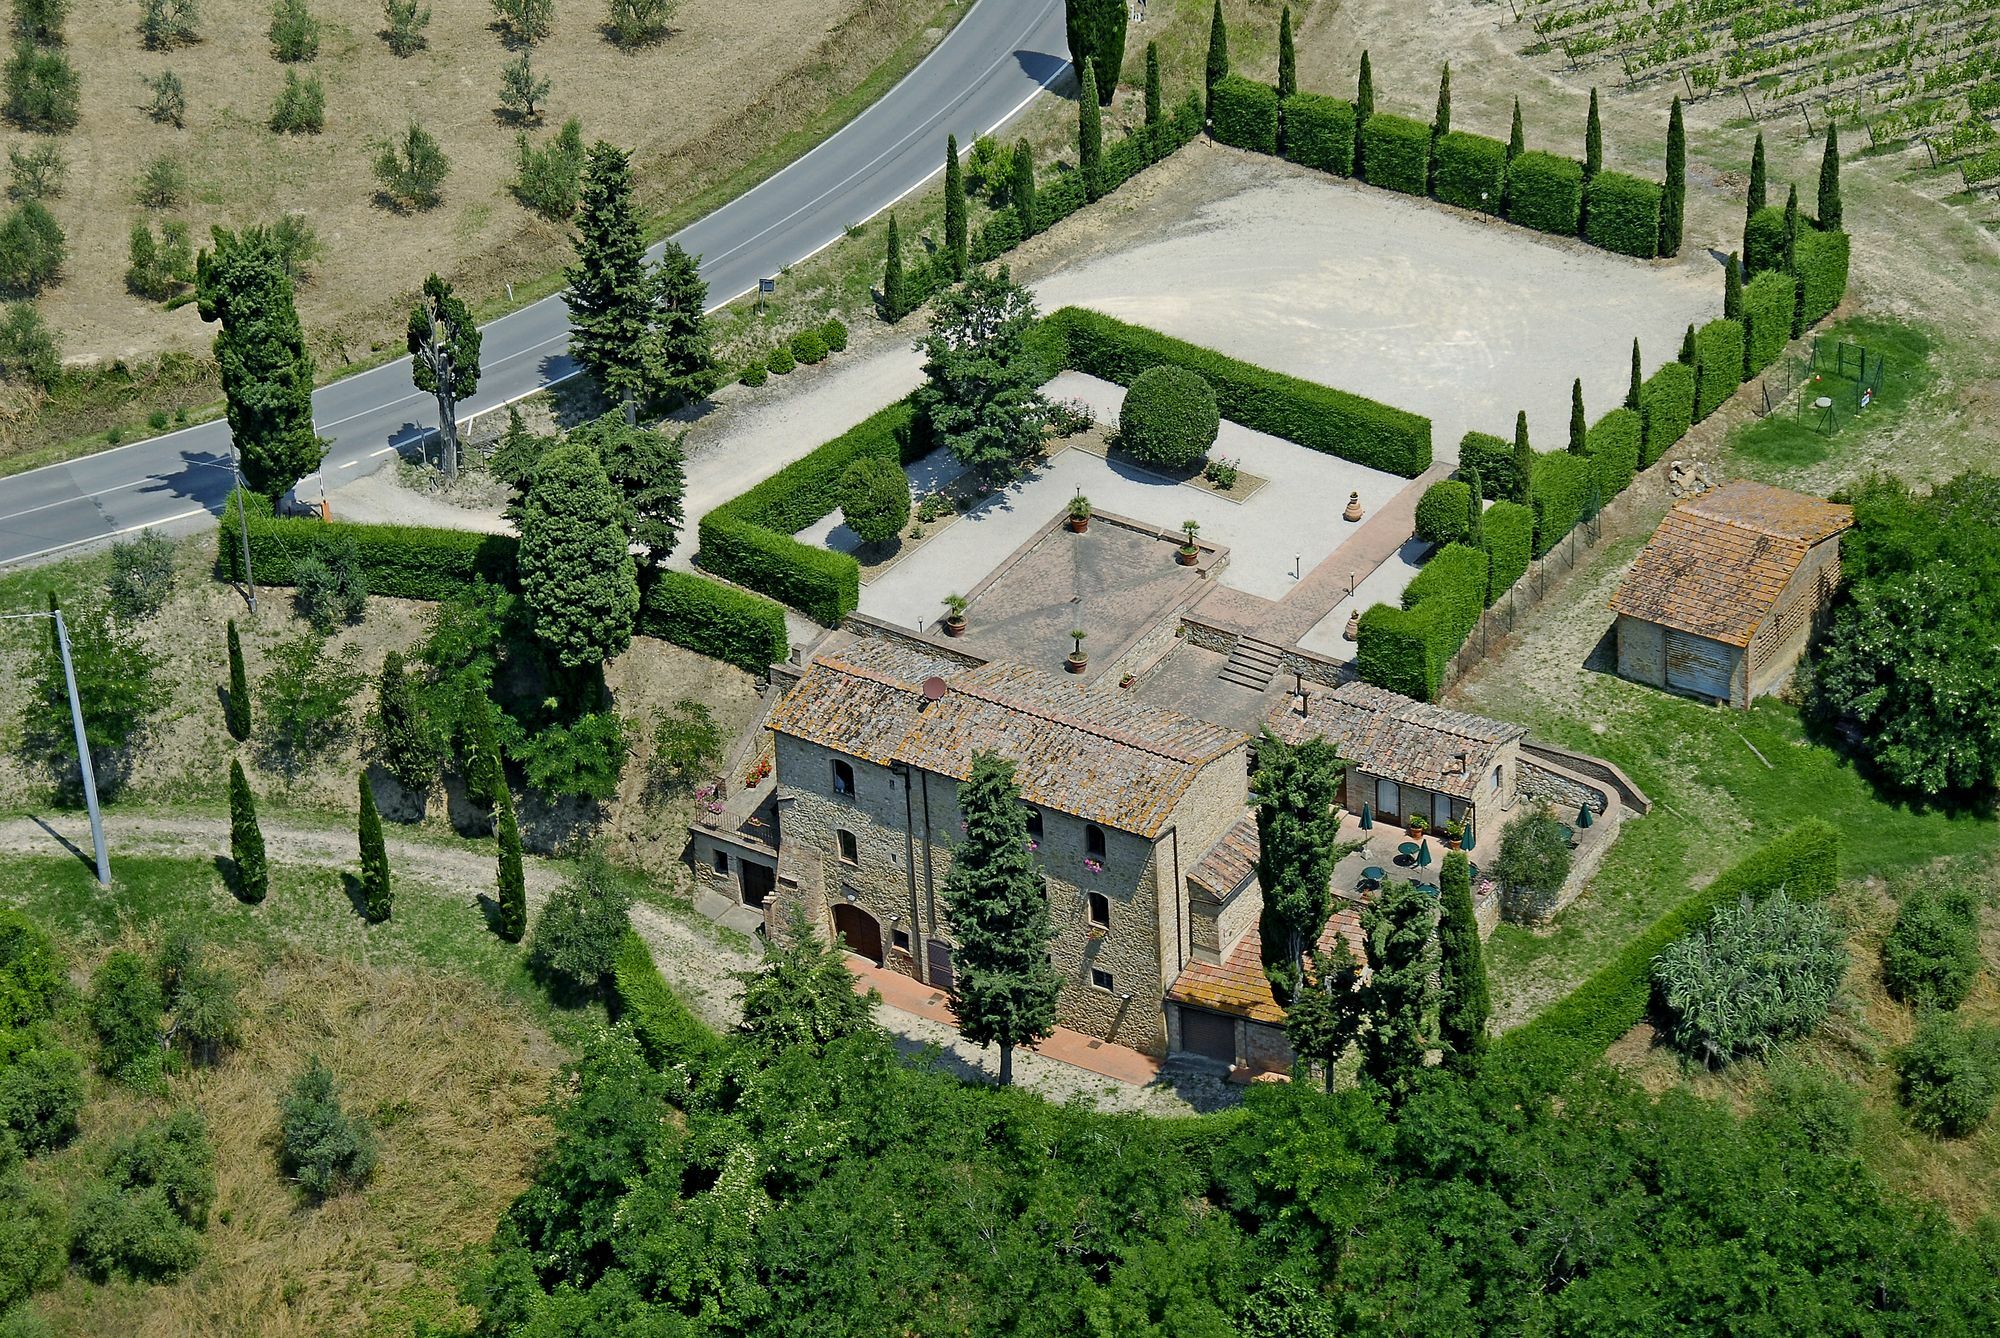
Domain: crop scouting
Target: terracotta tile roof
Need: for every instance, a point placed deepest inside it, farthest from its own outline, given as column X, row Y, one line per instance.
column 1105, row 758
column 1387, row 734
column 1238, row 985
column 1230, row 862
column 861, row 698
column 1718, row 562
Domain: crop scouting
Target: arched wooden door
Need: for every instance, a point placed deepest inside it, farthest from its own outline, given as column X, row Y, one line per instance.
column 861, row 930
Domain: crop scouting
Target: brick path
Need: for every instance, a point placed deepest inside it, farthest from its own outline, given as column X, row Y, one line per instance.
column 1378, row 536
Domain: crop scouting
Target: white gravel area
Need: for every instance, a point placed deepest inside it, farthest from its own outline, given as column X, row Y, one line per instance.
column 1384, row 585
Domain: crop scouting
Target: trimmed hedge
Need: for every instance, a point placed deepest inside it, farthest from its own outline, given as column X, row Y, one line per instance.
column 1822, row 259
column 1169, row 418
column 998, row 235
column 1244, row 113
column 1470, row 171
column 1718, row 361
column 1509, row 528
column 1613, row 447
column 1444, row 512
column 1545, row 192
column 1577, row 1028
column 1666, row 406
column 1406, row 649
column 1124, row 160
column 1317, row 417
column 1624, row 215
column 1559, row 492
column 1454, row 579
column 1768, row 303
column 748, row 539
column 714, row 619
column 1493, row 457
column 1319, row 132
column 1764, row 241
column 672, row 1038
column 1396, row 153
column 1057, row 198
column 401, row 561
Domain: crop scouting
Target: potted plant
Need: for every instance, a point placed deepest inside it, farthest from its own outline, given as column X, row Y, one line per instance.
column 1187, row 555
column 1353, row 511
column 1079, row 513
column 954, row 618
column 1416, row 825
column 1454, row 835
column 1077, row 661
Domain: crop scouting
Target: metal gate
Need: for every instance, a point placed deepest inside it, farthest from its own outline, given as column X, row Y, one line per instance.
column 937, row 964
column 1696, row 664
column 1210, row 1035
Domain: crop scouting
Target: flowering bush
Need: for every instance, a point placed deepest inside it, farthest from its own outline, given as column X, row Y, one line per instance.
column 1094, row 865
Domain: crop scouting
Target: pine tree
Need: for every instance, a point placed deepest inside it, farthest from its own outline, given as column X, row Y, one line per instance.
column 246, row 838
column 1023, row 189
column 1633, row 391
column 444, row 344
column 1399, row 927
column 1517, row 138
column 1829, row 181
column 680, row 354
column 1524, row 459
column 1755, row 199
column 1577, row 429
column 480, row 749
column 578, row 578
column 1673, row 192
column 1090, row 137
column 1298, row 789
column 512, row 883
column 610, row 296
column 1154, row 106
column 267, row 372
column 374, row 859
column 1732, row 288
column 895, row 284
column 236, row 711
column 1288, row 59
column 1465, row 1001
column 1593, row 141
column 994, row 894
column 1218, row 56
column 954, row 202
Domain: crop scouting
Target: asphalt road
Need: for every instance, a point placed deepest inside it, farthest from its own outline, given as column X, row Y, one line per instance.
column 987, row 69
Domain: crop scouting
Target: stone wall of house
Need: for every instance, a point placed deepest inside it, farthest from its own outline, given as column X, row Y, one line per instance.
column 1782, row 636
column 1564, row 790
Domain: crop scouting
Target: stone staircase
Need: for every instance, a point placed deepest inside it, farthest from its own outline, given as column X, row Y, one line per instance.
column 1252, row 663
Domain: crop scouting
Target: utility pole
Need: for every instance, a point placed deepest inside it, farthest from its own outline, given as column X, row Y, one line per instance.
column 82, row 740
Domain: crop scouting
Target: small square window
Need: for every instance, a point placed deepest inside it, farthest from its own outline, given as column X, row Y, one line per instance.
column 850, row 849
column 843, row 779
column 1101, row 979
column 722, row 861
column 900, row 938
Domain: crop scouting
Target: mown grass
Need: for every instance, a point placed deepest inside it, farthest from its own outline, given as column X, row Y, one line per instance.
column 1790, row 438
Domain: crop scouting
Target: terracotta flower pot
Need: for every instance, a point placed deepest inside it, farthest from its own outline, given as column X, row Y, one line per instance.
column 1076, row 664
column 1414, row 833
column 954, row 627
column 1353, row 511
column 1078, row 524
column 1187, row 557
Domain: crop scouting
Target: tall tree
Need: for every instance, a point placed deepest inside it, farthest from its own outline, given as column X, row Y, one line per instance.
column 1288, row 58
column 246, row 838
column 1756, row 199
column 802, row 994
column 1325, row 1014
column 1218, row 56
column 406, row 741
column 267, row 374
column 444, row 359
column 1399, row 926
column 981, row 394
column 236, row 711
column 1686, row 355
column 1638, row 384
column 511, row 882
column 1364, row 107
column 1475, row 520
column 1732, row 288
column 575, row 559
column 895, row 283
column 1090, row 137
column 375, row 894
column 1593, row 141
column 994, row 894
column 647, row 467
column 1791, row 261
column 680, row 353
column 1578, row 431
column 954, row 205
column 1673, row 192
column 1524, row 459
column 1465, row 1002
column 1298, row 827
column 1023, row 188
column 1154, row 104
column 1829, row 181
column 1517, row 138
column 1441, row 118
column 610, row 296
column 1095, row 30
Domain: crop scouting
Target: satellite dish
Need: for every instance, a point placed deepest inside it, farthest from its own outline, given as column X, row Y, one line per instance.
column 934, row 689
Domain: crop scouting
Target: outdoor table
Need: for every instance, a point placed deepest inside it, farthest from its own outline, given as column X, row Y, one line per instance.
column 1374, row 873
column 1406, row 852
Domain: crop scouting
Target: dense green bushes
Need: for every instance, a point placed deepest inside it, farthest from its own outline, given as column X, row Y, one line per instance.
column 1718, row 365
column 1444, row 513
column 1396, row 153
column 1319, row 132
column 400, row 561
column 1244, row 113
column 1510, row 542
column 715, row 620
column 1561, row 493
column 1169, row 418
column 1764, row 241
column 1755, row 975
column 1948, row 1075
column 1624, row 215
column 1493, row 457
column 1931, row 954
column 1317, row 417
column 1768, row 302
column 1666, row 406
column 1470, row 171
column 1406, row 649
column 1821, row 258
column 672, row 1038
column 1545, row 192
column 1613, row 447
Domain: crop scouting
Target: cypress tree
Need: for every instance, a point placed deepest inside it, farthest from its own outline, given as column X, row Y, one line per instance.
column 1687, row 346
column 578, row 577
column 246, row 838
column 404, row 739
column 1524, row 459
column 895, row 284
column 1798, row 323
column 1475, row 520
column 1577, row 429
column 513, row 883
column 1829, row 181
column 1364, row 106
column 1090, row 137
column 1465, row 1001
column 1298, row 789
column 1673, row 192
column 1095, row 30
column 1517, row 139
column 998, row 903
column 1218, row 55
column 1288, row 61
column 610, row 295
column 374, row 859
column 1441, row 118
column 483, row 778
column 1401, row 927
column 1755, row 200
column 1593, row 141
column 267, row 371
column 1638, row 379
column 1153, row 102
column 954, row 199
column 236, row 712
column 1023, row 189
column 1732, row 288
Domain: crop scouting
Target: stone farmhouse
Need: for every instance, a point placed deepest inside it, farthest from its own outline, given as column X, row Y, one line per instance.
column 1721, row 601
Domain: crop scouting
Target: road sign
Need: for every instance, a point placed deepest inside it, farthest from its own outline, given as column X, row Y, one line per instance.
column 767, row 286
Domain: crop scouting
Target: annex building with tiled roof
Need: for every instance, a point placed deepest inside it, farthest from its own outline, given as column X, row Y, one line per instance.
column 1721, row 601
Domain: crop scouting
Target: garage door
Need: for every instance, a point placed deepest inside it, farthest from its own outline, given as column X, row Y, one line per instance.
column 1696, row 664
column 860, row 929
column 1210, row 1035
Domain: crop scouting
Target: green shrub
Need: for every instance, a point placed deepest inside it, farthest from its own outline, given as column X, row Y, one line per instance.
column 34, row 1235
column 580, row 929
column 1057, row 199
column 1613, row 446
column 31, row 972
column 1560, row 494
column 1314, row 416
column 1534, row 852
column 398, row 561
column 300, row 109
column 1768, row 301
column 1493, row 457
column 1666, row 410
column 781, row 362
column 1757, row 974
column 1470, row 171
column 1931, row 954
column 1406, row 650
column 142, row 575
column 715, row 620
column 1396, row 153
column 1545, row 192
column 1319, row 132
column 1948, row 1075
column 125, row 1011
column 1444, row 512
column 32, row 249
column 1718, row 360
column 1764, row 241
column 41, row 1094
column 875, row 499
column 145, row 1219
column 320, row 1146
column 1510, row 544
column 1244, row 113
column 808, row 347
column 328, row 585
column 756, row 374
column 672, row 1038
column 171, row 1155
column 43, row 91
column 833, row 331
column 1169, row 418
column 1624, row 215
column 1821, row 259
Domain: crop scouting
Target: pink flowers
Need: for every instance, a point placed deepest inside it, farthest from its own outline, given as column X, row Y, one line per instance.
column 1094, row 865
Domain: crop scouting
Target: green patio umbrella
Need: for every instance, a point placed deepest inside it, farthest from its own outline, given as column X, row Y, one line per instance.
column 1367, row 817
column 1470, row 839
column 1424, row 855
column 1584, row 817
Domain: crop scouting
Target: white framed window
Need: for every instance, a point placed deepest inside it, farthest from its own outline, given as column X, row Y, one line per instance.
column 1101, row 979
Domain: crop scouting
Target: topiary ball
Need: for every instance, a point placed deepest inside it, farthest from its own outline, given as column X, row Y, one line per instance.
column 1169, row 418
